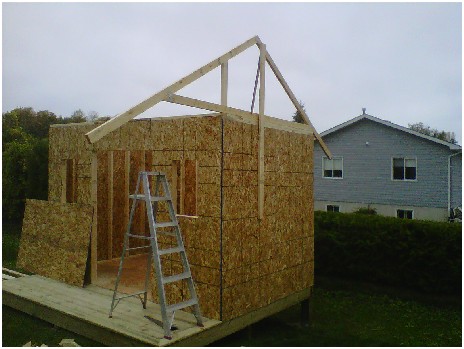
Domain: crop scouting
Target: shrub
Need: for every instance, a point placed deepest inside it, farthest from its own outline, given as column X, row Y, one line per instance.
column 366, row 210
column 420, row 255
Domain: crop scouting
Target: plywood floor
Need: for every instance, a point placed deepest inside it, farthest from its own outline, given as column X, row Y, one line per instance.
column 133, row 274
column 85, row 311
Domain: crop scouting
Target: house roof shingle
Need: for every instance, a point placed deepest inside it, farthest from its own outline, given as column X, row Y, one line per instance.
column 392, row 125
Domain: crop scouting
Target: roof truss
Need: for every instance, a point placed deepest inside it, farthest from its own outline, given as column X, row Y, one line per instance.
column 168, row 95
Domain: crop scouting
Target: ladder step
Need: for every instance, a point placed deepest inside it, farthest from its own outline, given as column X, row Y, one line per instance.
column 174, row 278
column 182, row 305
column 165, row 224
column 137, row 236
column 137, row 248
column 171, row 250
column 152, row 198
column 170, row 233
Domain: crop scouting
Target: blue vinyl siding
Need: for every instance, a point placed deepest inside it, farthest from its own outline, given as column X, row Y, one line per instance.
column 456, row 180
column 367, row 169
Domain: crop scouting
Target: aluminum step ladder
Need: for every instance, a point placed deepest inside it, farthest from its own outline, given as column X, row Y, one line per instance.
column 151, row 203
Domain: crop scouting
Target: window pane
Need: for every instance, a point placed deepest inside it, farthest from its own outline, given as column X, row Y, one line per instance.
column 337, row 173
column 410, row 170
column 398, row 168
column 327, row 164
column 398, row 173
column 337, row 164
column 410, row 173
column 410, row 162
column 400, row 213
column 409, row 214
column 327, row 173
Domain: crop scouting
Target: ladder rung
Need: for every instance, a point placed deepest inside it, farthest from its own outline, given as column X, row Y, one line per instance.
column 130, row 295
column 137, row 248
column 170, row 233
column 152, row 198
column 140, row 236
column 165, row 224
column 182, row 305
column 171, row 250
column 175, row 278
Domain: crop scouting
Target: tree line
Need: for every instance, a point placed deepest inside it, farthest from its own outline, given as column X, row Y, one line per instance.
column 25, row 155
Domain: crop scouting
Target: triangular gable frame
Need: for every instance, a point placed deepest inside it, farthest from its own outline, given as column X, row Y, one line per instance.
column 165, row 94
column 168, row 95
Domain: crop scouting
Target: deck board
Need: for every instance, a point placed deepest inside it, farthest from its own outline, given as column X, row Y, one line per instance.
column 85, row 311
column 60, row 302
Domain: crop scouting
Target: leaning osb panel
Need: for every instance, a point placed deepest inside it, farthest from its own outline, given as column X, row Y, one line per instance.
column 55, row 240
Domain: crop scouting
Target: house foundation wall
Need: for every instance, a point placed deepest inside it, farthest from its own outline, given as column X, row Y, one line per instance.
column 422, row 213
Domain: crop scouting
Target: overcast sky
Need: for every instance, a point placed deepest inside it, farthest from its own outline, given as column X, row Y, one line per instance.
column 400, row 61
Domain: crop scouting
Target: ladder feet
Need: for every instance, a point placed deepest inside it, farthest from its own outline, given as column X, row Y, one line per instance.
column 200, row 325
column 168, row 337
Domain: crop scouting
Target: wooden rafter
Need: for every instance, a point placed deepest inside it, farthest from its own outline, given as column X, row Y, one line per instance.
column 295, row 102
column 114, row 123
column 241, row 115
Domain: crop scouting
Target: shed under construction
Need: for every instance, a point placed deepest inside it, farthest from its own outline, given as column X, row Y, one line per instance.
column 241, row 183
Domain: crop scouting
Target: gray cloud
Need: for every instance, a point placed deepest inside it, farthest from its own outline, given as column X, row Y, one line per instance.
column 400, row 61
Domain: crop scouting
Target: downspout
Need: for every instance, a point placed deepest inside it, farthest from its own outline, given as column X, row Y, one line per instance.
column 449, row 180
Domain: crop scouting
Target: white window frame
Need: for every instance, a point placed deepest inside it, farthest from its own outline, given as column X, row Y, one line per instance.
column 334, row 157
column 404, row 166
column 327, row 208
column 403, row 209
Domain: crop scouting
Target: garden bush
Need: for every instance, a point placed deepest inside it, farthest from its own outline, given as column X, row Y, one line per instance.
column 420, row 255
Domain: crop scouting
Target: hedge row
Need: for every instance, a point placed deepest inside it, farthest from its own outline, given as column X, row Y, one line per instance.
column 420, row 255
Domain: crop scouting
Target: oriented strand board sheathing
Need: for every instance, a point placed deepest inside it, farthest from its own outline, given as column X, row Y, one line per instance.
column 137, row 164
column 259, row 261
column 120, row 201
column 190, row 187
column 102, row 206
column 55, row 240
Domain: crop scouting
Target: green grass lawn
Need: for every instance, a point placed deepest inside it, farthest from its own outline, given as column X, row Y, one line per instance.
column 344, row 313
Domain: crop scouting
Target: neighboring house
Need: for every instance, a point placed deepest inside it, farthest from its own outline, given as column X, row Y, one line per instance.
column 397, row 171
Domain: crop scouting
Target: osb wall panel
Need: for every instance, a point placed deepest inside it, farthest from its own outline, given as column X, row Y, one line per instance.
column 102, row 206
column 255, row 255
column 266, row 260
column 198, row 153
column 55, row 240
column 120, row 201
column 68, row 143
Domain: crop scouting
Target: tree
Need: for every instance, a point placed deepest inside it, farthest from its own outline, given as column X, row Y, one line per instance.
column 25, row 156
column 427, row 130
column 77, row 116
column 297, row 117
column 92, row 115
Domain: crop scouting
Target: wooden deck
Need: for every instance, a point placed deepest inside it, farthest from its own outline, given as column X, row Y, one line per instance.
column 85, row 311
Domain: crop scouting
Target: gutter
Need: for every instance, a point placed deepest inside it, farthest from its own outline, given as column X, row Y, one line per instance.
column 449, row 179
